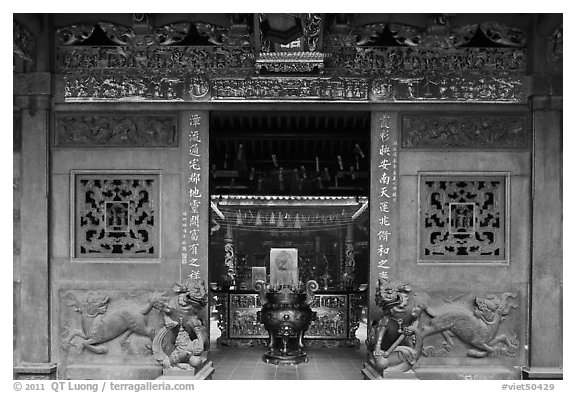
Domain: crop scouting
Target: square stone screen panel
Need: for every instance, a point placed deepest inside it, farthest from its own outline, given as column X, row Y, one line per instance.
column 116, row 215
column 463, row 218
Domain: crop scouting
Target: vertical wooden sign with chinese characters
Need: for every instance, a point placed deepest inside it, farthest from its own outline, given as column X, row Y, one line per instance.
column 383, row 202
column 195, row 199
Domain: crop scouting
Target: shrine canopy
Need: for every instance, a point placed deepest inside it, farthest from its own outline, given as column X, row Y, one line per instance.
column 287, row 213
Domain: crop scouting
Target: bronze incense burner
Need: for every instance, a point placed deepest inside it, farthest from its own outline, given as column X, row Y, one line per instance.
column 286, row 314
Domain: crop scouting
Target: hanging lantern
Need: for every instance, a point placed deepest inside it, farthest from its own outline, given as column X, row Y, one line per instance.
column 272, row 221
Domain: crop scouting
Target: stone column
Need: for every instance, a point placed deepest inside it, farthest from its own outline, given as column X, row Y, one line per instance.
column 383, row 203
column 32, row 99
column 546, row 278
column 195, row 203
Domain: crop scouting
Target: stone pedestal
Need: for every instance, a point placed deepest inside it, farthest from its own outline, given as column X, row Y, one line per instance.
column 37, row 371
column 203, row 372
column 370, row 371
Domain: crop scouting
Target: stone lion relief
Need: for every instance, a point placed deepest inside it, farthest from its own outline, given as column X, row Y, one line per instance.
column 103, row 319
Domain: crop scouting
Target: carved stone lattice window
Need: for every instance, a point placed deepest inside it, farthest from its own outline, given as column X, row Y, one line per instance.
column 116, row 215
column 463, row 219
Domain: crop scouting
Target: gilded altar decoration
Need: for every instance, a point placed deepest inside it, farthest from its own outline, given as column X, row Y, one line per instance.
column 464, row 131
column 463, row 219
column 103, row 320
column 331, row 320
column 244, row 321
column 76, row 130
column 116, row 216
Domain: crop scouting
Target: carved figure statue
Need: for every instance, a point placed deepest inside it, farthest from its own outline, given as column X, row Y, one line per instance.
column 102, row 322
column 477, row 327
column 394, row 341
column 181, row 310
column 190, row 297
column 186, row 354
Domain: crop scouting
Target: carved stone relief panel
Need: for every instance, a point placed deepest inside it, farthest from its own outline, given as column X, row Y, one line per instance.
column 464, row 131
column 116, row 215
column 471, row 325
column 77, row 130
column 463, row 218
column 450, row 86
column 290, row 88
column 109, row 323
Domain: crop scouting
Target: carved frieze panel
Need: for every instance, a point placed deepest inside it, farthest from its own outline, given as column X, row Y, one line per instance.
column 471, row 326
column 463, row 219
column 77, row 130
column 381, row 60
column 84, row 58
column 138, row 86
column 290, row 88
column 453, row 87
column 108, row 323
column 464, row 131
column 116, row 215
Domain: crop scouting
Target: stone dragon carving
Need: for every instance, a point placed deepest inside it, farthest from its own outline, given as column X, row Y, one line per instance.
column 102, row 321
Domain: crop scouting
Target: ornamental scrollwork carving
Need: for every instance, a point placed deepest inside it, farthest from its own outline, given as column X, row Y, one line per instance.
column 118, row 130
column 463, row 219
column 439, row 36
column 469, row 131
column 116, row 216
column 503, row 34
column 74, row 34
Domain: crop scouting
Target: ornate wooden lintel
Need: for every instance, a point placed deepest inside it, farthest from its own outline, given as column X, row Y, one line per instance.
column 137, row 85
column 371, row 74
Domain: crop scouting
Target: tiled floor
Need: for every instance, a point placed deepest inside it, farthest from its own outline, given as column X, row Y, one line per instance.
column 323, row 364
